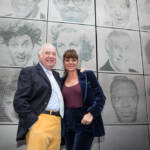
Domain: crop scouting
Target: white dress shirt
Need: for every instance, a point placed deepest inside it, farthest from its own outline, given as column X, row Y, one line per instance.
column 56, row 100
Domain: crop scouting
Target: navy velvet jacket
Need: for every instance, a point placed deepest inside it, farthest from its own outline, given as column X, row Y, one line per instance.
column 93, row 99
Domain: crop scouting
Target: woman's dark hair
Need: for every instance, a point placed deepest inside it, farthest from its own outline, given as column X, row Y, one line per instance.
column 70, row 53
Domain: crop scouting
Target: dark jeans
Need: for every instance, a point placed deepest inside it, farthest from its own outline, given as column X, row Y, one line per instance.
column 77, row 135
column 78, row 140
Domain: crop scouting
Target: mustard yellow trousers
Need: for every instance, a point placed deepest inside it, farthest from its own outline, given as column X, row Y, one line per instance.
column 45, row 134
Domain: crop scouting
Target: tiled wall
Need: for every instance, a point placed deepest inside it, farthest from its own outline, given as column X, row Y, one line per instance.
column 112, row 38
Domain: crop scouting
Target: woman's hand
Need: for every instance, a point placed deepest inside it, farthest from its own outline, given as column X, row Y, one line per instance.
column 87, row 119
column 82, row 69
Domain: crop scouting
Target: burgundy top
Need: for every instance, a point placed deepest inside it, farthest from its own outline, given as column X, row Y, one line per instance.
column 72, row 96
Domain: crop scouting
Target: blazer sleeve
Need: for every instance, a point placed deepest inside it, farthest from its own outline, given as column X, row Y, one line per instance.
column 22, row 97
column 98, row 98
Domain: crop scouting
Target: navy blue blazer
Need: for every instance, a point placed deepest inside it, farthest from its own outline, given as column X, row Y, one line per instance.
column 93, row 99
column 31, row 97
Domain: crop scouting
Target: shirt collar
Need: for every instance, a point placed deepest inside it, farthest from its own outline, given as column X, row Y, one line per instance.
column 45, row 70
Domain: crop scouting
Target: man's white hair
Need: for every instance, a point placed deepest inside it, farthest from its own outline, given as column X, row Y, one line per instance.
column 46, row 45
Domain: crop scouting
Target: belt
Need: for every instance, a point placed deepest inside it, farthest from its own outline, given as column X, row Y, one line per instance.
column 51, row 112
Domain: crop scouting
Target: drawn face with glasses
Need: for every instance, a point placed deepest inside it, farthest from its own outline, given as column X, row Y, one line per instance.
column 73, row 10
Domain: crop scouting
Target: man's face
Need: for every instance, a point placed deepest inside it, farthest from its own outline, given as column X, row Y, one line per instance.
column 23, row 8
column 118, row 52
column 20, row 48
column 124, row 101
column 48, row 57
column 118, row 11
column 73, row 10
column 71, row 41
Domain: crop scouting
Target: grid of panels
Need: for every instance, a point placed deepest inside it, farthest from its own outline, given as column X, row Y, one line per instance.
column 112, row 38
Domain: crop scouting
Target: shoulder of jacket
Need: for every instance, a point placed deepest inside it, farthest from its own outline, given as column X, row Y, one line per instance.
column 28, row 69
column 88, row 72
column 56, row 72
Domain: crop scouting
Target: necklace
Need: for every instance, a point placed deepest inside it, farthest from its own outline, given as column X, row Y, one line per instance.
column 71, row 82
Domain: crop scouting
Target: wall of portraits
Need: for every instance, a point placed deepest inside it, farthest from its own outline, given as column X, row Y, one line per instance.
column 112, row 38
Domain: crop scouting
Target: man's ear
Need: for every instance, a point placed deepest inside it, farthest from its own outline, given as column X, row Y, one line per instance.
column 39, row 56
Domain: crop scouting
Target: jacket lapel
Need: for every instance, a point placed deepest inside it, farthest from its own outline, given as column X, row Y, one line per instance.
column 42, row 73
column 83, row 84
column 56, row 76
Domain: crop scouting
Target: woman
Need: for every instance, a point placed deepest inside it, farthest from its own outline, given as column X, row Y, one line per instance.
column 84, row 101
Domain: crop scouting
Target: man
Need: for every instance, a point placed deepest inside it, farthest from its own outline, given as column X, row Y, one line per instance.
column 118, row 46
column 39, row 103
column 73, row 10
column 26, row 9
column 125, row 98
column 119, row 11
column 21, row 41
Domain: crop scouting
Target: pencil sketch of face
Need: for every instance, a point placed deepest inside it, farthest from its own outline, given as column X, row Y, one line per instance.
column 1, row 40
column 147, row 51
column 25, row 8
column 124, row 98
column 119, row 11
column 67, row 42
column 8, row 103
column 73, row 10
column 70, row 38
column 146, row 8
column 149, row 91
column 20, row 49
column 21, row 41
column 8, row 90
column 117, row 46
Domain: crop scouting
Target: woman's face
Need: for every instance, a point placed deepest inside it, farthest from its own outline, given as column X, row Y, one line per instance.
column 70, row 64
